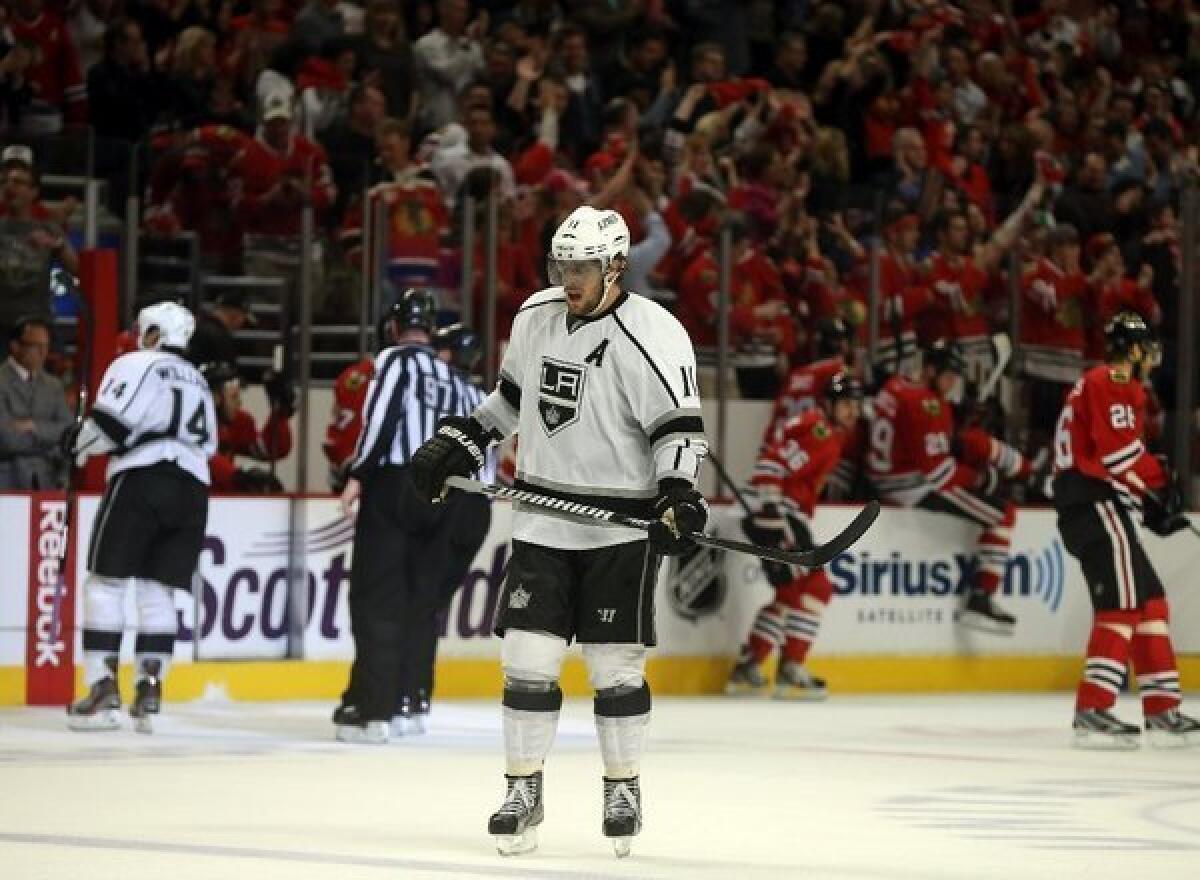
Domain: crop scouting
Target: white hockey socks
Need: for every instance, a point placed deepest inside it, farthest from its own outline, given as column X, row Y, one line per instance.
column 622, row 714
column 103, row 622
column 157, row 627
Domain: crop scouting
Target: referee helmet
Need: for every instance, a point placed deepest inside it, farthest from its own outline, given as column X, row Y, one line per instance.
column 415, row 310
column 463, row 343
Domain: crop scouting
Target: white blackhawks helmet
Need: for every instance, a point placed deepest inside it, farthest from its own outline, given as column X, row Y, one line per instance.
column 173, row 322
column 589, row 235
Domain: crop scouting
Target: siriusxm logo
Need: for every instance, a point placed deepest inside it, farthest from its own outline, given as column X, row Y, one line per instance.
column 1039, row 575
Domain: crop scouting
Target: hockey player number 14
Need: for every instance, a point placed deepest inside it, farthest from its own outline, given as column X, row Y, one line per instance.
column 197, row 423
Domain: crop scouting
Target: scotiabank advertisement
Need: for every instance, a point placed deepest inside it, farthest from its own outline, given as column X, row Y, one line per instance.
column 259, row 595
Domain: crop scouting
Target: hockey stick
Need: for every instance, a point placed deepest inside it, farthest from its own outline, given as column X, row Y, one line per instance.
column 814, row 558
column 68, row 284
column 1002, row 348
column 723, row 475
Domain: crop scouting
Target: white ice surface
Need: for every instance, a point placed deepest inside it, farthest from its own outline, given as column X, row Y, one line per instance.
column 911, row 788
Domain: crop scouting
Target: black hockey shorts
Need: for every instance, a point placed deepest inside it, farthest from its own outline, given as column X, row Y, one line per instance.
column 599, row 596
column 969, row 504
column 1102, row 536
column 150, row 524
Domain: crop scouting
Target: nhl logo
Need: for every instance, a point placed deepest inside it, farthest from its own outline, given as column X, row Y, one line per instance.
column 696, row 583
column 561, row 390
column 519, row 598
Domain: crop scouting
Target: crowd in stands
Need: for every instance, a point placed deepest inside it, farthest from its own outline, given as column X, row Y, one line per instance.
column 1002, row 153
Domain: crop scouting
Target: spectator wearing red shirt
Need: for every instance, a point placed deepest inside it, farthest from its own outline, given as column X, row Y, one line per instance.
column 958, row 276
column 757, row 310
column 1110, row 292
column 903, row 292
column 56, row 78
column 416, row 210
column 1053, row 300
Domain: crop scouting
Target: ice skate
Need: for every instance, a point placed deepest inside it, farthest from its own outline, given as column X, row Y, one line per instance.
column 147, row 701
column 101, row 708
column 514, row 825
column 980, row 613
column 794, row 682
column 1172, row 730
column 351, row 728
column 622, row 813
column 746, row 679
column 407, row 721
column 1100, row 729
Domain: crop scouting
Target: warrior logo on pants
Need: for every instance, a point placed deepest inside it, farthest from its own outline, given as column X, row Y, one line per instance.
column 561, row 390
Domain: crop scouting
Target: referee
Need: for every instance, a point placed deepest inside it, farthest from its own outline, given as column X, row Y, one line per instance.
column 411, row 391
column 463, row 522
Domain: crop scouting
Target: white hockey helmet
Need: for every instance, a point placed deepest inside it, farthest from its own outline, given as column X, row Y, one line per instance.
column 173, row 322
column 589, row 235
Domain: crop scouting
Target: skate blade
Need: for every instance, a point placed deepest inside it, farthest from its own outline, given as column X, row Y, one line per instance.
column 983, row 624
column 1106, row 742
column 143, row 724
column 744, row 690
column 108, row 719
column 1162, row 739
column 517, row 844
column 622, row 846
column 373, row 735
column 799, row 695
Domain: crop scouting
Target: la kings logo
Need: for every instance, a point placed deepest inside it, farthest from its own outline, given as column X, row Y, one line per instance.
column 561, row 391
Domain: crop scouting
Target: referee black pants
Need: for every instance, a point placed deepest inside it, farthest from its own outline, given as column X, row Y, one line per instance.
column 446, row 556
column 393, row 527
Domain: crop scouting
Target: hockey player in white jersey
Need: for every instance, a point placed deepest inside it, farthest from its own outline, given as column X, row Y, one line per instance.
column 154, row 416
column 601, row 386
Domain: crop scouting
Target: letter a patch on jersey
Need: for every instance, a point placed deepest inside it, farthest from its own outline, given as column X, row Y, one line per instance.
column 561, row 391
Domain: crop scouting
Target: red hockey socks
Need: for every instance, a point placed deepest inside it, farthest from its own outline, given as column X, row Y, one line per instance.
column 994, row 542
column 1107, row 657
column 1154, row 660
column 806, row 598
column 767, row 631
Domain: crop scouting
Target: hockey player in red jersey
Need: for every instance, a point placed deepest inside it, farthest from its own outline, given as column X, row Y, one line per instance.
column 804, row 387
column 1102, row 473
column 789, row 476
column 910, row 459
column 345, row 421
column 238, row 435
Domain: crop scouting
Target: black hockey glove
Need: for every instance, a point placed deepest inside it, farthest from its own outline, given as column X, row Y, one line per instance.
column 1163, row 511
column 679, row 509
column 281, row 395
column 456, row 449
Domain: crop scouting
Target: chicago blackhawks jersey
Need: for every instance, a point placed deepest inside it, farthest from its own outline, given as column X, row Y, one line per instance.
column 797, row 461
column 909, row 454
column 1098, row 448
column 605, row 407
column 155, row 406
column 803, row 390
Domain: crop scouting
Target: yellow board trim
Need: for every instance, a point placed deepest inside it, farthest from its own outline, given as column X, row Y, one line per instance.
column 460, row 678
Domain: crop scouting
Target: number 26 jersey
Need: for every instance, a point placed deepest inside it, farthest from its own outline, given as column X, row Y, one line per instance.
column 155, row 406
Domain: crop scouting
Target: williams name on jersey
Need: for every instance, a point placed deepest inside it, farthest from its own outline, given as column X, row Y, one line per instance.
column 605, row 407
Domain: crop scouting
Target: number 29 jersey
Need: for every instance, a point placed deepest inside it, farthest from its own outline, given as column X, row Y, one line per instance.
column 155, row 406
column 605, row 408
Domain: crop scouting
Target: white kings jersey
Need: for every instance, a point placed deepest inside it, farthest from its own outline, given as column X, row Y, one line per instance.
column 604, row 407
column 155, row 406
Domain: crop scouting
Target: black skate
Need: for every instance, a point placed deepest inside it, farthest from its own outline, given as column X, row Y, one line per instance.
column 514, row 825
column 1100, row 729
column 622, row 812
column 980, row 613
column 747, row 678
column 101, row 708
column 148, row 699
column 1172, row 730
column 794, row 682
column 351, row 728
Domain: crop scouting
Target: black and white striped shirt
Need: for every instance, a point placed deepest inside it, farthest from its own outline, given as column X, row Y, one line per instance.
column 470, row 397
column 411, row 391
